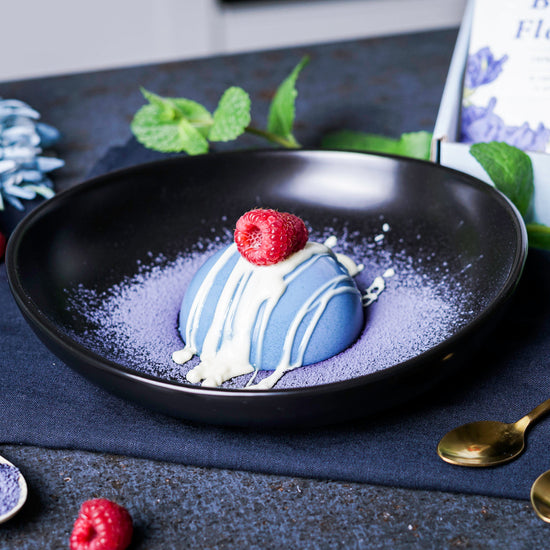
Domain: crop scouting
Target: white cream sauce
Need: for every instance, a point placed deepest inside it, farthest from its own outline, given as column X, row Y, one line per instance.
column 250, row 291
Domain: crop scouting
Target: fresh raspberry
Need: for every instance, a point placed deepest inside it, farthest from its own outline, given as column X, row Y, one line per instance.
column 101, row 525
column 2, row 245
column 266, row 237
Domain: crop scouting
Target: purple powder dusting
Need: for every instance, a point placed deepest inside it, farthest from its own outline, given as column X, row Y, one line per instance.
column 9, row 487
column 135, row 322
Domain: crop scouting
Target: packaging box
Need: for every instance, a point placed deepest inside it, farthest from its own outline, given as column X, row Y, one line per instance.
column 446, row 150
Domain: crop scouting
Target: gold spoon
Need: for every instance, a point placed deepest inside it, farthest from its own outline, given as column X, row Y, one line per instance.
column 487, row 442
column 540, row 496
column 22, row 494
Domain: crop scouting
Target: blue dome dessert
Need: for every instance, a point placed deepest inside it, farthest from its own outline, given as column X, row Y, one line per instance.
column 239, row 317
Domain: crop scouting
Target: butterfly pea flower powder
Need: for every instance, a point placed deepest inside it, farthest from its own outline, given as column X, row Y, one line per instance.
column 9, row 487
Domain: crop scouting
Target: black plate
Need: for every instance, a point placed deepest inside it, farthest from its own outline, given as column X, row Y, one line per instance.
column 440, row 229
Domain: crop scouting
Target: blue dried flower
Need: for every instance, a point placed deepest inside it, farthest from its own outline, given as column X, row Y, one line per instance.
column 524, row 137
column 481, row 124
column 14, row 107
column 22, row 170
column 482, row 68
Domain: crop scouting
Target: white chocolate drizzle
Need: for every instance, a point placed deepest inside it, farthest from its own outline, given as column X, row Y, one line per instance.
column 246, row 302
column 377, row 287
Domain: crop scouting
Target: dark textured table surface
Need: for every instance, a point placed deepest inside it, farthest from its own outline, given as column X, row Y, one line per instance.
column 385, row 85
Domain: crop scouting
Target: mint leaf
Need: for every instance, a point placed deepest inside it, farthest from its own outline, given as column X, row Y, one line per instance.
column 358, row 141
column 197, row 115
column 172, row 125
column 413, row 144
column 282, row 109
column 510, row 169
column 538, row 235
column 190, row 139
column 163, row 108
column 167, row 136
column 171, row 108
column 232, row 115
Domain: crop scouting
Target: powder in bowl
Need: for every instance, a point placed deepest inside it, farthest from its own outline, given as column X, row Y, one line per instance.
column 9, row 488
column 134, row 322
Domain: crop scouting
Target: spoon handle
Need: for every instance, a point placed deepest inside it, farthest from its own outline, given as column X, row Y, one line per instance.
column 535, row 414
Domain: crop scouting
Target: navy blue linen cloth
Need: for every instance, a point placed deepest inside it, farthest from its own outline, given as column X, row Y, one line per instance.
column 43, row 402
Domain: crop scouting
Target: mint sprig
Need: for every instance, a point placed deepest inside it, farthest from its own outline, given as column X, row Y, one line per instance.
column 232, row 116
column 411, row 144
column 181, row 125
column 282, row 109
column 171, row 125
column 539, row 235
column 511, row 171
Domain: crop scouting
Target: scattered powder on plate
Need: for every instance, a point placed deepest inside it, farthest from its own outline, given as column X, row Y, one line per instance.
column 134, row 323
column 9, row 487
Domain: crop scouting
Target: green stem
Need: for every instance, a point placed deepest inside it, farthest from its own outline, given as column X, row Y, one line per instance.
column 272, row 137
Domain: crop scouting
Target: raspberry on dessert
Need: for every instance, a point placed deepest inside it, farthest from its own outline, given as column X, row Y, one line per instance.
column 101, row 525
column 265, row 237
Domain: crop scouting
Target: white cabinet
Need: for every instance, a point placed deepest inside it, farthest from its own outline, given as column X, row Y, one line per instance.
column 43, row 38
